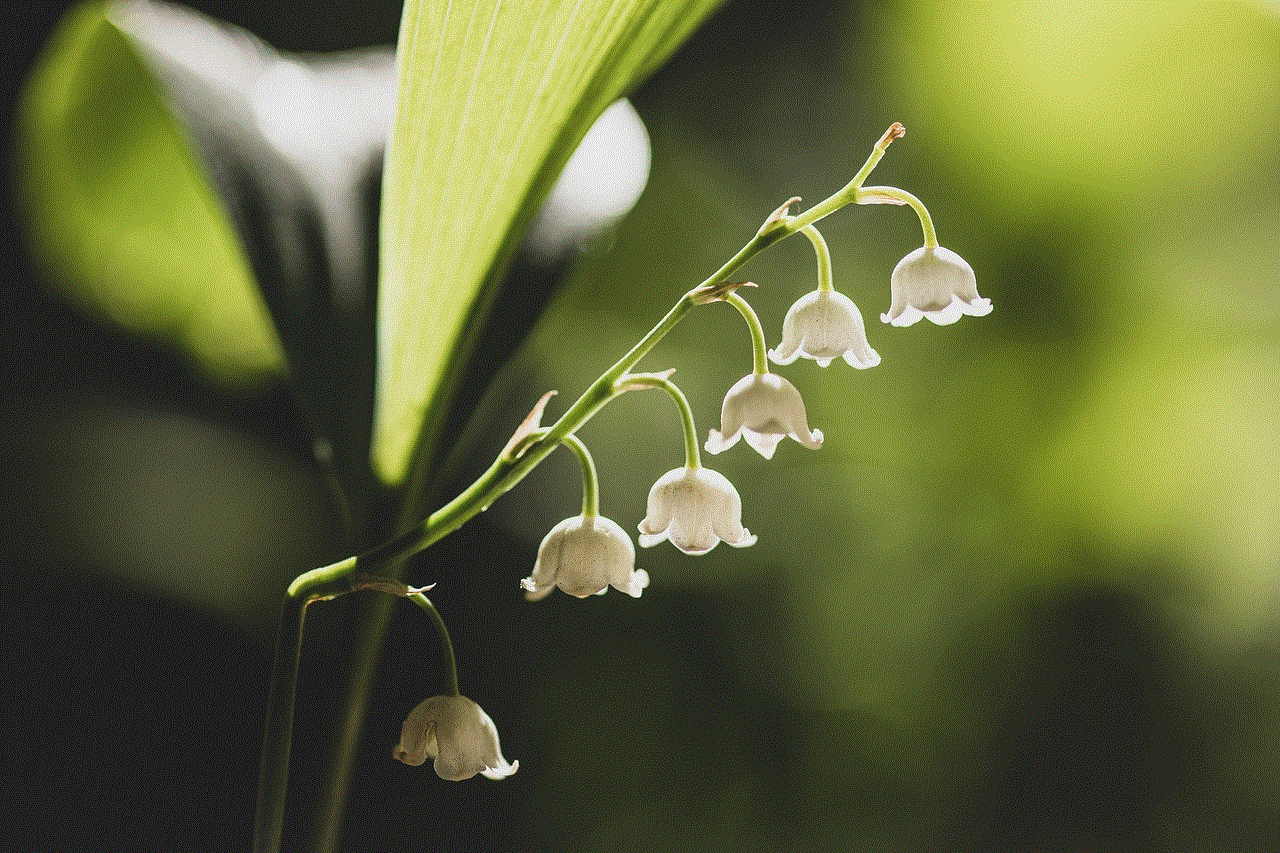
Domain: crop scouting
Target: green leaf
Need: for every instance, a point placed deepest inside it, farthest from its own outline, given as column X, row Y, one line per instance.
column 119, row 211
column 493, row 98
column 293, row 146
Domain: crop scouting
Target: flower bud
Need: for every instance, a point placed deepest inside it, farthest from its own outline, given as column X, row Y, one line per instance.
column 825, row 325
column 458, row 734
column 762, row 408
column 694, row 508
column 935, row 283
column 585, row 556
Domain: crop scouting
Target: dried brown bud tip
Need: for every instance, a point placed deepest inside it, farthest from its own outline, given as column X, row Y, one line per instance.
column 895, row 130
column 717, row 292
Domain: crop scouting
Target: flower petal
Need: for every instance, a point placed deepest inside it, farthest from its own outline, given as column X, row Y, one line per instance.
column 897, row 315
column 785, row 353
column 533, row 592
column 636, row 584
column 764, row 443
column 648, row 540
column 582, row 556
column 825, row 325
column 458, row 734
column 862, row 358
column 935, row 283
column 501, row 771
column 768, row 408
column 729, row 528
column 811, row 439
column 717, row 443
column 700, row 505
column 691, row 531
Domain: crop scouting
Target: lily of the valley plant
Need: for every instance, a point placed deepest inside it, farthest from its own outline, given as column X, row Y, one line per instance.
column 693, row 507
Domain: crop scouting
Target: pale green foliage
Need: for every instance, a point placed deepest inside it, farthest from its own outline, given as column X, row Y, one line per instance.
column 121, row 214
column 493, row 99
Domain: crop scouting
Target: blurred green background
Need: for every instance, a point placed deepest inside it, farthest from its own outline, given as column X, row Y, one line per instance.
column 1027, row 596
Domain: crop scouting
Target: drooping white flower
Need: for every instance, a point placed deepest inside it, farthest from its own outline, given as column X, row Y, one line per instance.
column 694, row 508
column 763, row 408
column 585, row 556
column 458, row 734
column 825, row 325
column 935, row 283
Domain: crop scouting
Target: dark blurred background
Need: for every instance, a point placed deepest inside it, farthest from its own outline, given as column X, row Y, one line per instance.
column 1026, row 597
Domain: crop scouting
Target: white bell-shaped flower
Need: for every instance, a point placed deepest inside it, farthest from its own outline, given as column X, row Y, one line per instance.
column 585, row 556
column 935, row 283
column 458, row 734
column 695, row 508
column 763, row 408
column 825, row 325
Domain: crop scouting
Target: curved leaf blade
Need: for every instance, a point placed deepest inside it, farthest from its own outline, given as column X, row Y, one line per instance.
column 493, row 98
column 120, row 213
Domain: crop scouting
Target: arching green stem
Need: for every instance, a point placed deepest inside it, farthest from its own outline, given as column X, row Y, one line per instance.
column 442, row 633
column 824, row 257
column 758, row 363
column 504, row 473
column 653, row 380
column 317, row 583
column 878, row 195
column 845, row 195
column 590, row 491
